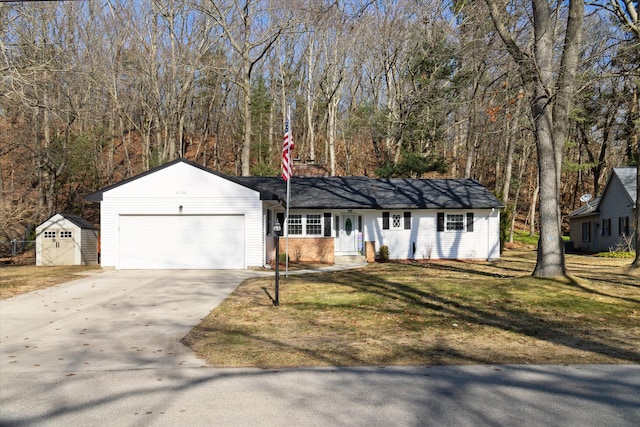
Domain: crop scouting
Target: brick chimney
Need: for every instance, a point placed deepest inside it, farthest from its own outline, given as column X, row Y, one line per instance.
column 309, row 168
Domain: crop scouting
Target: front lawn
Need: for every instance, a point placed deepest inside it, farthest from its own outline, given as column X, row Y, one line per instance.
column 443, row 312
column 19, row 279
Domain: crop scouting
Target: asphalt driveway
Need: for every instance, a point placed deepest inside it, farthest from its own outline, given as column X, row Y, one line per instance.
column 123, row 319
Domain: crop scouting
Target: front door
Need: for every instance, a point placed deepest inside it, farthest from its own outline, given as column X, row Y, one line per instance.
column 348, row 234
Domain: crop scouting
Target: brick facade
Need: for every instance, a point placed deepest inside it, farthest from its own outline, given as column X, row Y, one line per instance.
column 309, row 249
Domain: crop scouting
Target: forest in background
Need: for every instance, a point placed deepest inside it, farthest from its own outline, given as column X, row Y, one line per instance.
column 94, row 92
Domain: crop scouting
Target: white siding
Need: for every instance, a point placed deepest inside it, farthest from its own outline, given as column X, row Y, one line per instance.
column 197, row 191
column 615, row 203
column 482, row 243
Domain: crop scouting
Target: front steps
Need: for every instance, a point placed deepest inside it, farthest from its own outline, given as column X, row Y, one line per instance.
column 350, row 260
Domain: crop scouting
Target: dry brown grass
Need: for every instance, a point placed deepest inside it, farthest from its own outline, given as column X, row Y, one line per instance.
column 19, row 279
column 444, row 312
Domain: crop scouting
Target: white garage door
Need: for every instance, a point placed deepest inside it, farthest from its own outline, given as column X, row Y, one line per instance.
column 181, row 242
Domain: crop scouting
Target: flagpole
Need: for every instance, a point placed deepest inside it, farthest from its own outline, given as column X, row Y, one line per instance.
column 286, row 249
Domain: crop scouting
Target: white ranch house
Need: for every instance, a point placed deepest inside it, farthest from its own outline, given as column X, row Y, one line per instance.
column 184, row 216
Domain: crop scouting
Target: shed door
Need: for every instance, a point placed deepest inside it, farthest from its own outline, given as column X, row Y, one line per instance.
column 181, row 242
column 58, row 247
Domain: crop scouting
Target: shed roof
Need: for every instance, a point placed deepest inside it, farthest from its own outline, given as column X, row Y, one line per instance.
column 75, row 219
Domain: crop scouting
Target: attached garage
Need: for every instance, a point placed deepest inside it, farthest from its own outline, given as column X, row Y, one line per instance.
column 181, row 216
column 181, row 242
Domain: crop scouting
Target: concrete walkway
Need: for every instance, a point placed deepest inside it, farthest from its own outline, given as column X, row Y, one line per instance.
column 104, row 350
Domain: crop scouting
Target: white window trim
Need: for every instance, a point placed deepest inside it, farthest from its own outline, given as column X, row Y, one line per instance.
column 317, row 224
column 457, row 230
column 392, row 224
column 303, row 221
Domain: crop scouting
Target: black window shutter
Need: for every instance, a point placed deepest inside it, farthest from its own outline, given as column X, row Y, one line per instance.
column 269, row 222
column 280, row 216
column 470, row 222
column 626, row 225
column 407, row 220
column 619, row 226
column 440, row 221
column 337, row 226
column 385, row 220
column 327, row 224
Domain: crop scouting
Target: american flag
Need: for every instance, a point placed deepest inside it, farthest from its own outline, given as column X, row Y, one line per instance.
column 287, row 146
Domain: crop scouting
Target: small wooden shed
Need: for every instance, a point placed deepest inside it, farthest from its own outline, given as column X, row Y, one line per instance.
column 66, row 239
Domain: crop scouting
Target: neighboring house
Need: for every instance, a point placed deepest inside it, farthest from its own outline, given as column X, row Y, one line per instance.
column 182, row 215
column 66, row 239
column 606, row 221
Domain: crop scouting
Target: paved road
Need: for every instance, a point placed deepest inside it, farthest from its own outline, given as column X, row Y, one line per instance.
column 104, row 350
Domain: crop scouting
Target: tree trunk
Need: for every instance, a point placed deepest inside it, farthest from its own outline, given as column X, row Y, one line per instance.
column 245, row 157
column 636, row 139
column 552, row 87
column 533, row 207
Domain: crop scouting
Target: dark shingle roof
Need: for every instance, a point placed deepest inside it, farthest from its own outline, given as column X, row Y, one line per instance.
column 80, row 222
column 75, row 219
column 589, row 208
column 366, row 193
column 433, row 194
column 629, row 178
column 354, row 192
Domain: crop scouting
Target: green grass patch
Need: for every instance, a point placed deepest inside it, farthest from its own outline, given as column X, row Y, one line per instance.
column 18, row 279
column 443, row 312
column 616, row 254
column 525, row 238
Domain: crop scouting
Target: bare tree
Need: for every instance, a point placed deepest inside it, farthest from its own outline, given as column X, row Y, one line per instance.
column 251, row 32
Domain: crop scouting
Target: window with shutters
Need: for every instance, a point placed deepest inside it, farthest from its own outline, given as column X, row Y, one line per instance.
column 455, row 222
column 623, row 226
column 396, row 220
column 314, row 225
